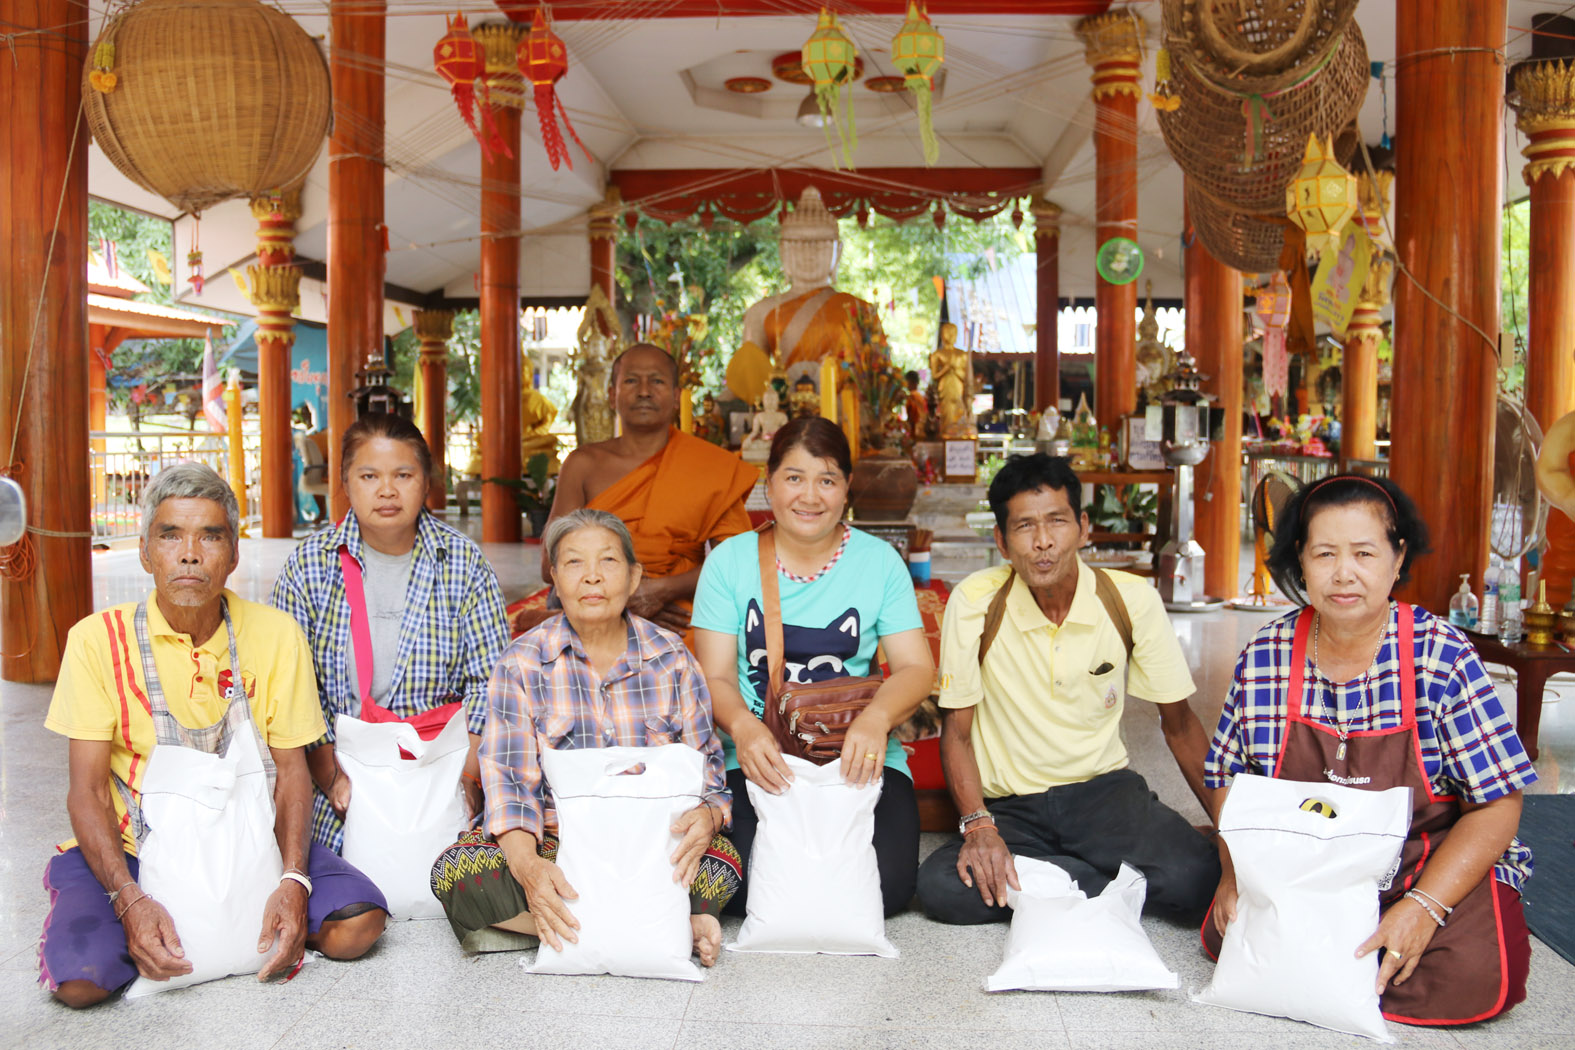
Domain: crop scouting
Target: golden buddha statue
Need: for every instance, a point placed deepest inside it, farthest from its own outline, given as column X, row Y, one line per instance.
column 599, row 336
column 950, row 372
column 811, row 320
column 1153, row 356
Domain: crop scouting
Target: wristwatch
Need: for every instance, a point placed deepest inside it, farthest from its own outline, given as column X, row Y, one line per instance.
column 978, row 814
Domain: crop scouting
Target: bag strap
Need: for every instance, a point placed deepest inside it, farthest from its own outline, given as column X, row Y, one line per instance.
column 1104, row 587
column 771, row 609
column 360, row 627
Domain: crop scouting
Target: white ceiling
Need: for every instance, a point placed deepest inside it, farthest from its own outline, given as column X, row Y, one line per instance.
column 649, row 94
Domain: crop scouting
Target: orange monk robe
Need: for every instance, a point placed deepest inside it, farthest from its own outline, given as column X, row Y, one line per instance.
column 687, row 495
column 833, row 328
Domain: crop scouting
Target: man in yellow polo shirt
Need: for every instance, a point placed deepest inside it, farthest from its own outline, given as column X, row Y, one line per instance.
column 1031, row 741
column 162, row 672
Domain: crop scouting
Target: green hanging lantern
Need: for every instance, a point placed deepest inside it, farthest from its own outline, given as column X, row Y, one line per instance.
column 829, row 59
column 918, row 50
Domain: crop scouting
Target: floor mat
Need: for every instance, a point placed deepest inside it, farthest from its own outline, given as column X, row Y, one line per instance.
column 1547, row 825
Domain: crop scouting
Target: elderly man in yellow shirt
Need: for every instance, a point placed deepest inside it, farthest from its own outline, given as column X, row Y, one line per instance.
column 162, row 672
column 1036, row 661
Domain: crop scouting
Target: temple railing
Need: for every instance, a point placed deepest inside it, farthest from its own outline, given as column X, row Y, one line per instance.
column 125, row 462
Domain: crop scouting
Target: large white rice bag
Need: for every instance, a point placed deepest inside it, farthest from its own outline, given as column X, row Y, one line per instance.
column 1063, row 941
column 403, row 812
column 1308, row 877
column 210, row 856
column 814, row 884
column 616, row 808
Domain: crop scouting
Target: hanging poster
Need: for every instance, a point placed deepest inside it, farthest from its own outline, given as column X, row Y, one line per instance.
column 1342, row 270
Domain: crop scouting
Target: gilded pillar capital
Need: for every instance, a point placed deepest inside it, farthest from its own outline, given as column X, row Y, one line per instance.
column 1047, row 217
column 434, row 328
column 1113, row 43
column 604, row 216
column 275, row 288
column 1544, row 103
column 500, row 43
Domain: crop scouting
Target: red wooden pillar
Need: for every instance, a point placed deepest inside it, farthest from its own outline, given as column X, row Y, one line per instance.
column 1113, row 42
column 276, row 293
column 1544, row 89
column 1047, row 331
column 434, row 328
column 500, row 288
column 44, row 345
column 356, row 255
column 1213, row 304
column 1450, row 96
column 603, row 232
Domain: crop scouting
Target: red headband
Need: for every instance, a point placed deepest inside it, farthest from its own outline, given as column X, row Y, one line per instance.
column 1349, row 477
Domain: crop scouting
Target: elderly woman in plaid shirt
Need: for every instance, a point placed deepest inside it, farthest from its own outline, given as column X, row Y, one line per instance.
column 594, row 675
column 1358, row 689
column 433, row 613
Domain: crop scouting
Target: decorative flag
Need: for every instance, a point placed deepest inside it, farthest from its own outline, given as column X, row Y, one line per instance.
column 1342, row 270
column 161, row 267
column 213, row 391
column 240, row 282
column 111, row 257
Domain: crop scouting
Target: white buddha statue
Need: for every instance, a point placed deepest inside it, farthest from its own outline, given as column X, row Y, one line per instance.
column 769, row 420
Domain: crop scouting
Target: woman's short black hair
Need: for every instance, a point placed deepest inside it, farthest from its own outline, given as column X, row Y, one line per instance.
column 381, row 425
column 816, row 435
column 1405, row 527
column 1030, row 473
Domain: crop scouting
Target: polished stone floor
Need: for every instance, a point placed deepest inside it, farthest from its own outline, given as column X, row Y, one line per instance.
column 417, row 989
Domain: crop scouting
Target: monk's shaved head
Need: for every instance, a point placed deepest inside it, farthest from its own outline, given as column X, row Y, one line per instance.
column 644, row 348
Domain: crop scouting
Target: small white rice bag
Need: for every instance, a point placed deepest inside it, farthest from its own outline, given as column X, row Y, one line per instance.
column 616, row 808
column 210, row 856
column 1063, row 941
column 403, row 812
column 814, row 884
column 1310, row 860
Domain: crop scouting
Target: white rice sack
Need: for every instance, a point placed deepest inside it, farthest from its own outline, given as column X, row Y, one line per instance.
column 210, row 856
column 814, row 884
column 1310, row 860
column 403, row 811
column 1063, row 941
column 616, row 808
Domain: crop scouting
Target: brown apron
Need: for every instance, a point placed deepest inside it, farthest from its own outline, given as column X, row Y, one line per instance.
column 1463, row 976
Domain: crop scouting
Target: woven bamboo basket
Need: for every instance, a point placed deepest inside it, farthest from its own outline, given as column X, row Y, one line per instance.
column 1254, row 45
column 1249, row 243
column 1246, row 163
column 213, row 100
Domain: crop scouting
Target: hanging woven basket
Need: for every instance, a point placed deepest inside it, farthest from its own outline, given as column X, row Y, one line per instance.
column 211, row 101
column 1244, row 148
column 1248, row 243
column 1254, row 45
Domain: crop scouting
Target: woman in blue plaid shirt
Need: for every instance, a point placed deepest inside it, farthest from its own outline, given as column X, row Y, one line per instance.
column 1358, row 689
column 434, row 612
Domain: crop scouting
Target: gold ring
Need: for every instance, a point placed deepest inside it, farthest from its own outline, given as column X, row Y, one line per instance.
column 869, row 756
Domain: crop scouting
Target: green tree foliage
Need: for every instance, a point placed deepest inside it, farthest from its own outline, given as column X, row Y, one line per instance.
column 464, row 366
column 1515, row 268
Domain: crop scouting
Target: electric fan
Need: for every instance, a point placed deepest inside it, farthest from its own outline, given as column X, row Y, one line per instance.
column 1274, row 490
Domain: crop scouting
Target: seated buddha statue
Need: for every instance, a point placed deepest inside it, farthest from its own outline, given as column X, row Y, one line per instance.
column 811, row 320
column 764, row 427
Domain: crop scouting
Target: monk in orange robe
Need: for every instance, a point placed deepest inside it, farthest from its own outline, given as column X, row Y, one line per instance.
column 675, row 491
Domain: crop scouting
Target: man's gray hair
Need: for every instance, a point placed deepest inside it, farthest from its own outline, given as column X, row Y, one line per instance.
column 586, row 518
column 190, row 481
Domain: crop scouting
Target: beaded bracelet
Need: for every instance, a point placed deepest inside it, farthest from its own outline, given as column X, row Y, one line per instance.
column 1425, row 906
column 1447, row 909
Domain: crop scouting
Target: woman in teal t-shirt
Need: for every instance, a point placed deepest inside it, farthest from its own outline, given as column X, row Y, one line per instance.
column 843, row 592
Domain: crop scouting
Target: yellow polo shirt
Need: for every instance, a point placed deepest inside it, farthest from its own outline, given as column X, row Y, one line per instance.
column 1042, row 716
column 101, row 693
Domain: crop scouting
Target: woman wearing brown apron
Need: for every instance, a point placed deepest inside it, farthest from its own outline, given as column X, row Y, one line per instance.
column 1360, row 690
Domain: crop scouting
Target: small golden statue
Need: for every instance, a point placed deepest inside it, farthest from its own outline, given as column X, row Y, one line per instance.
column 599, row 337
column 949, row 368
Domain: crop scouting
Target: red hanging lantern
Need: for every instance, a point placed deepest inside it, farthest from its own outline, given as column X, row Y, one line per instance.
column 458, row 60
column 544, row 60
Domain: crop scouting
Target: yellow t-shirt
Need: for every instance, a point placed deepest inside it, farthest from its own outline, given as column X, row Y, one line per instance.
column 101, row 693
column 1042, row 717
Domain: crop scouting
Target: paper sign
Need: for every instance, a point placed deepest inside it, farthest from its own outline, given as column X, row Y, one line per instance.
column 961, row 459
column 1342, row 270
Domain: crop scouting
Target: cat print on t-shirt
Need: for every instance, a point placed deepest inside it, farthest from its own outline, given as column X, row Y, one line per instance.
column 811, row 654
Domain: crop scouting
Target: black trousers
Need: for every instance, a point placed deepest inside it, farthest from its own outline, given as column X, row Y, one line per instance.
column 1088, row 829
column 896, row 839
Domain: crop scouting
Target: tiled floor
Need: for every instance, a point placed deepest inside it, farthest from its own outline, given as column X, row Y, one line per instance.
column 417, row 989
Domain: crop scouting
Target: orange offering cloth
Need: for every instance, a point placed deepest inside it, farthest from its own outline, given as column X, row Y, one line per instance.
column 833, row 327
column 1559, row 566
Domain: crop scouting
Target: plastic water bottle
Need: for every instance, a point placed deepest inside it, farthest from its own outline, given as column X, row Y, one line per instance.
column 1489, row 622
column 1463, row 606
column 1510, row 628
